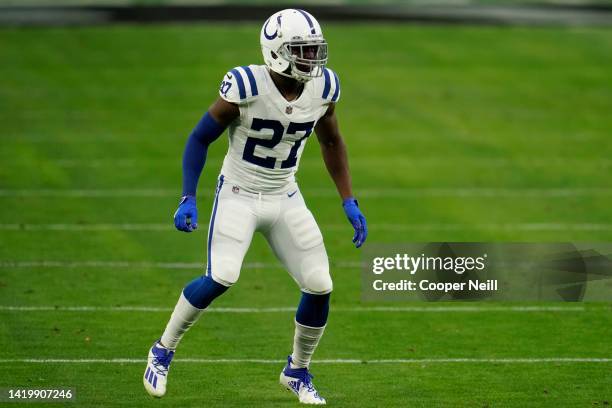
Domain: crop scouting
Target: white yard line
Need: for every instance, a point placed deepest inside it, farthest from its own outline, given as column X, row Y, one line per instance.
column 331, row 193
column 147, row 265
column 90, row 193
column 544, row 226
column 88, row 227
column 357, row 161
column 519, row 360
column 100, row 264
column 291, row 309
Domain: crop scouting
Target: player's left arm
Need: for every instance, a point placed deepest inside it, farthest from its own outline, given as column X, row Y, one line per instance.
column 335, row 157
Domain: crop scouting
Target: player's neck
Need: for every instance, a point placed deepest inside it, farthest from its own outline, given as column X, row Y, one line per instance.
column 288, row 87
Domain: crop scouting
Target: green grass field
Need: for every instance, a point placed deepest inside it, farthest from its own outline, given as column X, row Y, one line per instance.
column 454, row 134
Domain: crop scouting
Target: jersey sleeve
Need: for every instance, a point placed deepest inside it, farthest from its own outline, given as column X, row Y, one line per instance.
column 331, row 86
column 238, row 85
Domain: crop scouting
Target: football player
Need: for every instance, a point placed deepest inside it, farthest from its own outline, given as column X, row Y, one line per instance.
column 270, row 111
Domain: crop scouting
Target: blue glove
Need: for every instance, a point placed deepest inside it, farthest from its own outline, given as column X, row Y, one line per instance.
column 186, row 216
column 357, row 220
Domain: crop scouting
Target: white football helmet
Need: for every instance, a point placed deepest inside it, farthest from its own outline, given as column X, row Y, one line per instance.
column 292, row 45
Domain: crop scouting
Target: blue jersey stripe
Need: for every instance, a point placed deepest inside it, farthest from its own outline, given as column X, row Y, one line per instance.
column 327, row 83
column 251, row 81
column 212, row 226
column 241, row 88
column 337, row 91
column 307, row 16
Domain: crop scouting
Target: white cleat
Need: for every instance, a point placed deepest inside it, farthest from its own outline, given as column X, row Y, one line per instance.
column 299, row 381
column 156, row 374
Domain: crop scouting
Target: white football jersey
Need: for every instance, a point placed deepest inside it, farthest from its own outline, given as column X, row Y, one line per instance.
column 267, row 140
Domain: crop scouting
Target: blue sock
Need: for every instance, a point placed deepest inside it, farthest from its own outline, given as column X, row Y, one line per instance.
column 203, row 290
column 313, row 310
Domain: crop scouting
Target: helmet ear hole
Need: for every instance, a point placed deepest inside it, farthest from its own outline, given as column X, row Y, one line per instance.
column 274, row 55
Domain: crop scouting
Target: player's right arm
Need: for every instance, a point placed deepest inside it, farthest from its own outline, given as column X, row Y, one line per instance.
column 214, row 122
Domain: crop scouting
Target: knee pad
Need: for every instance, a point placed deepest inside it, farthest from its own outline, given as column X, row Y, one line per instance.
column 315, row 277
column 225, row 270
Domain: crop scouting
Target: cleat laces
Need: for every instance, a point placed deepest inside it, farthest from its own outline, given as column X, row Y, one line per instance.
column 306, row 378
column 161, row 363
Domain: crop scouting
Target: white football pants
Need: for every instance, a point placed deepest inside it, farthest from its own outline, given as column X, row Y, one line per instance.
column 285, row 222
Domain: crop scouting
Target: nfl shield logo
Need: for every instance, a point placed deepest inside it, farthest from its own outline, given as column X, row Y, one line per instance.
column 235, row 189
column 289, row 109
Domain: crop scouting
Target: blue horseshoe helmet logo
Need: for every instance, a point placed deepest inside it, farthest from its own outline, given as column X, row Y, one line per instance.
column 275, row 34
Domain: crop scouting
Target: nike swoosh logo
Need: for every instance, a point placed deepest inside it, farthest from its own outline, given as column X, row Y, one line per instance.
column 291, row 194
